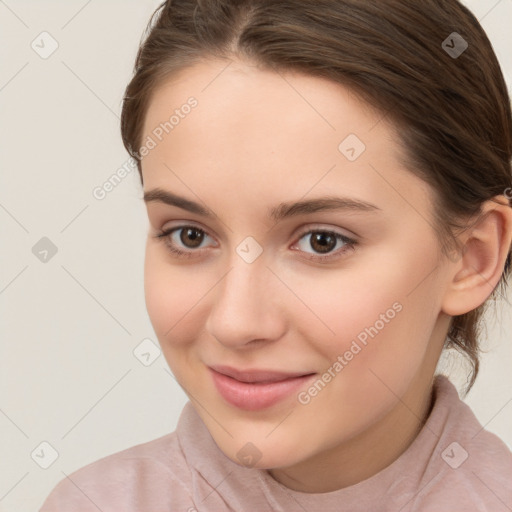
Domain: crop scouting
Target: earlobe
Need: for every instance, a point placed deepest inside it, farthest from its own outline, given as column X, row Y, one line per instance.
column 476, row 273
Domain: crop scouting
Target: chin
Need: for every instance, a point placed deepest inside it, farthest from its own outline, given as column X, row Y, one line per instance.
column 261, row 452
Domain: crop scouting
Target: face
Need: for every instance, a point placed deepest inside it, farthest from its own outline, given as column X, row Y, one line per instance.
column 340, row 301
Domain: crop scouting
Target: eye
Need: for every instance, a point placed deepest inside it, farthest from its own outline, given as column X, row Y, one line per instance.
column 323, row 242
column 190, row 236
column 186, row 242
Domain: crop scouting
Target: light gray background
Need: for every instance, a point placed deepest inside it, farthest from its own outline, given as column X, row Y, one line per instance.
column 69, row 326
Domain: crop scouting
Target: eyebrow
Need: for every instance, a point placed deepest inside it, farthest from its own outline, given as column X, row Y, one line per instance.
column 277, row 213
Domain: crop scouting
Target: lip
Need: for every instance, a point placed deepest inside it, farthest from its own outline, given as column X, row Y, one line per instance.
column 256, row 389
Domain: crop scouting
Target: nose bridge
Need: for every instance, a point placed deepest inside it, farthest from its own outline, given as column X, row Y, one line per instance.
column 247, row 272
column 241, row 284
column 243, row 307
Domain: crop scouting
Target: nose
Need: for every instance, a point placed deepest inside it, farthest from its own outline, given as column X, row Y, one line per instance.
column 248, row 306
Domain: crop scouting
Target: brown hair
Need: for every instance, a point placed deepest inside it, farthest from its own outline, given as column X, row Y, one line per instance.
column 452, row 111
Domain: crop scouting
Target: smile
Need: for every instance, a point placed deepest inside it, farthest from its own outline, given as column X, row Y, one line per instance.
column 256, row 389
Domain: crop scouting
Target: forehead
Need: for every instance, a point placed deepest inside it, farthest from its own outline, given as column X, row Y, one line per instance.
column 240, row 106
column 234, row 93
column 269, row 132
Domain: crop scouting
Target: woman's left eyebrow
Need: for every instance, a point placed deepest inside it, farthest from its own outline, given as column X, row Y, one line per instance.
column 276, row 213
column 285, row 210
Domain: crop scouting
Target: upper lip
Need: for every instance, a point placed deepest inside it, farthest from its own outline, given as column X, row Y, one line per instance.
column 257, row 375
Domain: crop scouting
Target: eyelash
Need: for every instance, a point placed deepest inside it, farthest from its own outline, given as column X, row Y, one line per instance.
column 349, row 243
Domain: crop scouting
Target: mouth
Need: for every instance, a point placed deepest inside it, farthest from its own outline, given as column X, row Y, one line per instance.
column 256, row 389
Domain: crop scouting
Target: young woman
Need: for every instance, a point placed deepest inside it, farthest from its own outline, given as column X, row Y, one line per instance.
column 328, row 188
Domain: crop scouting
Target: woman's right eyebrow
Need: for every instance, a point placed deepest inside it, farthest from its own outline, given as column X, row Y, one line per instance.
column 166, row 197
column 276, row 213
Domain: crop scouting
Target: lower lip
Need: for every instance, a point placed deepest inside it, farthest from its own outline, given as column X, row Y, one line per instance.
column 253, row 396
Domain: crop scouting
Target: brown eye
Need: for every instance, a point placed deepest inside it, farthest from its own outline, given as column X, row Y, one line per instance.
column 191, row 237
column 323, row 241
column 183, row 241
column 323, row 245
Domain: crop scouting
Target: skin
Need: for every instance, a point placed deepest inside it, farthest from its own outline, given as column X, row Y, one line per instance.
column 256, row 139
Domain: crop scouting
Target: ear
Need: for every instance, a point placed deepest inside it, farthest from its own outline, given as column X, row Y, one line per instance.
column 486, row 244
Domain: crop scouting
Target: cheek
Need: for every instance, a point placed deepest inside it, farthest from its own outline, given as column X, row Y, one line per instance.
column 376, row 315
column 351, row 306
column 379, row 346
column 173, row 298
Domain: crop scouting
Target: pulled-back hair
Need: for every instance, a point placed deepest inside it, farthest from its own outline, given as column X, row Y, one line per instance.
column 452, row 110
